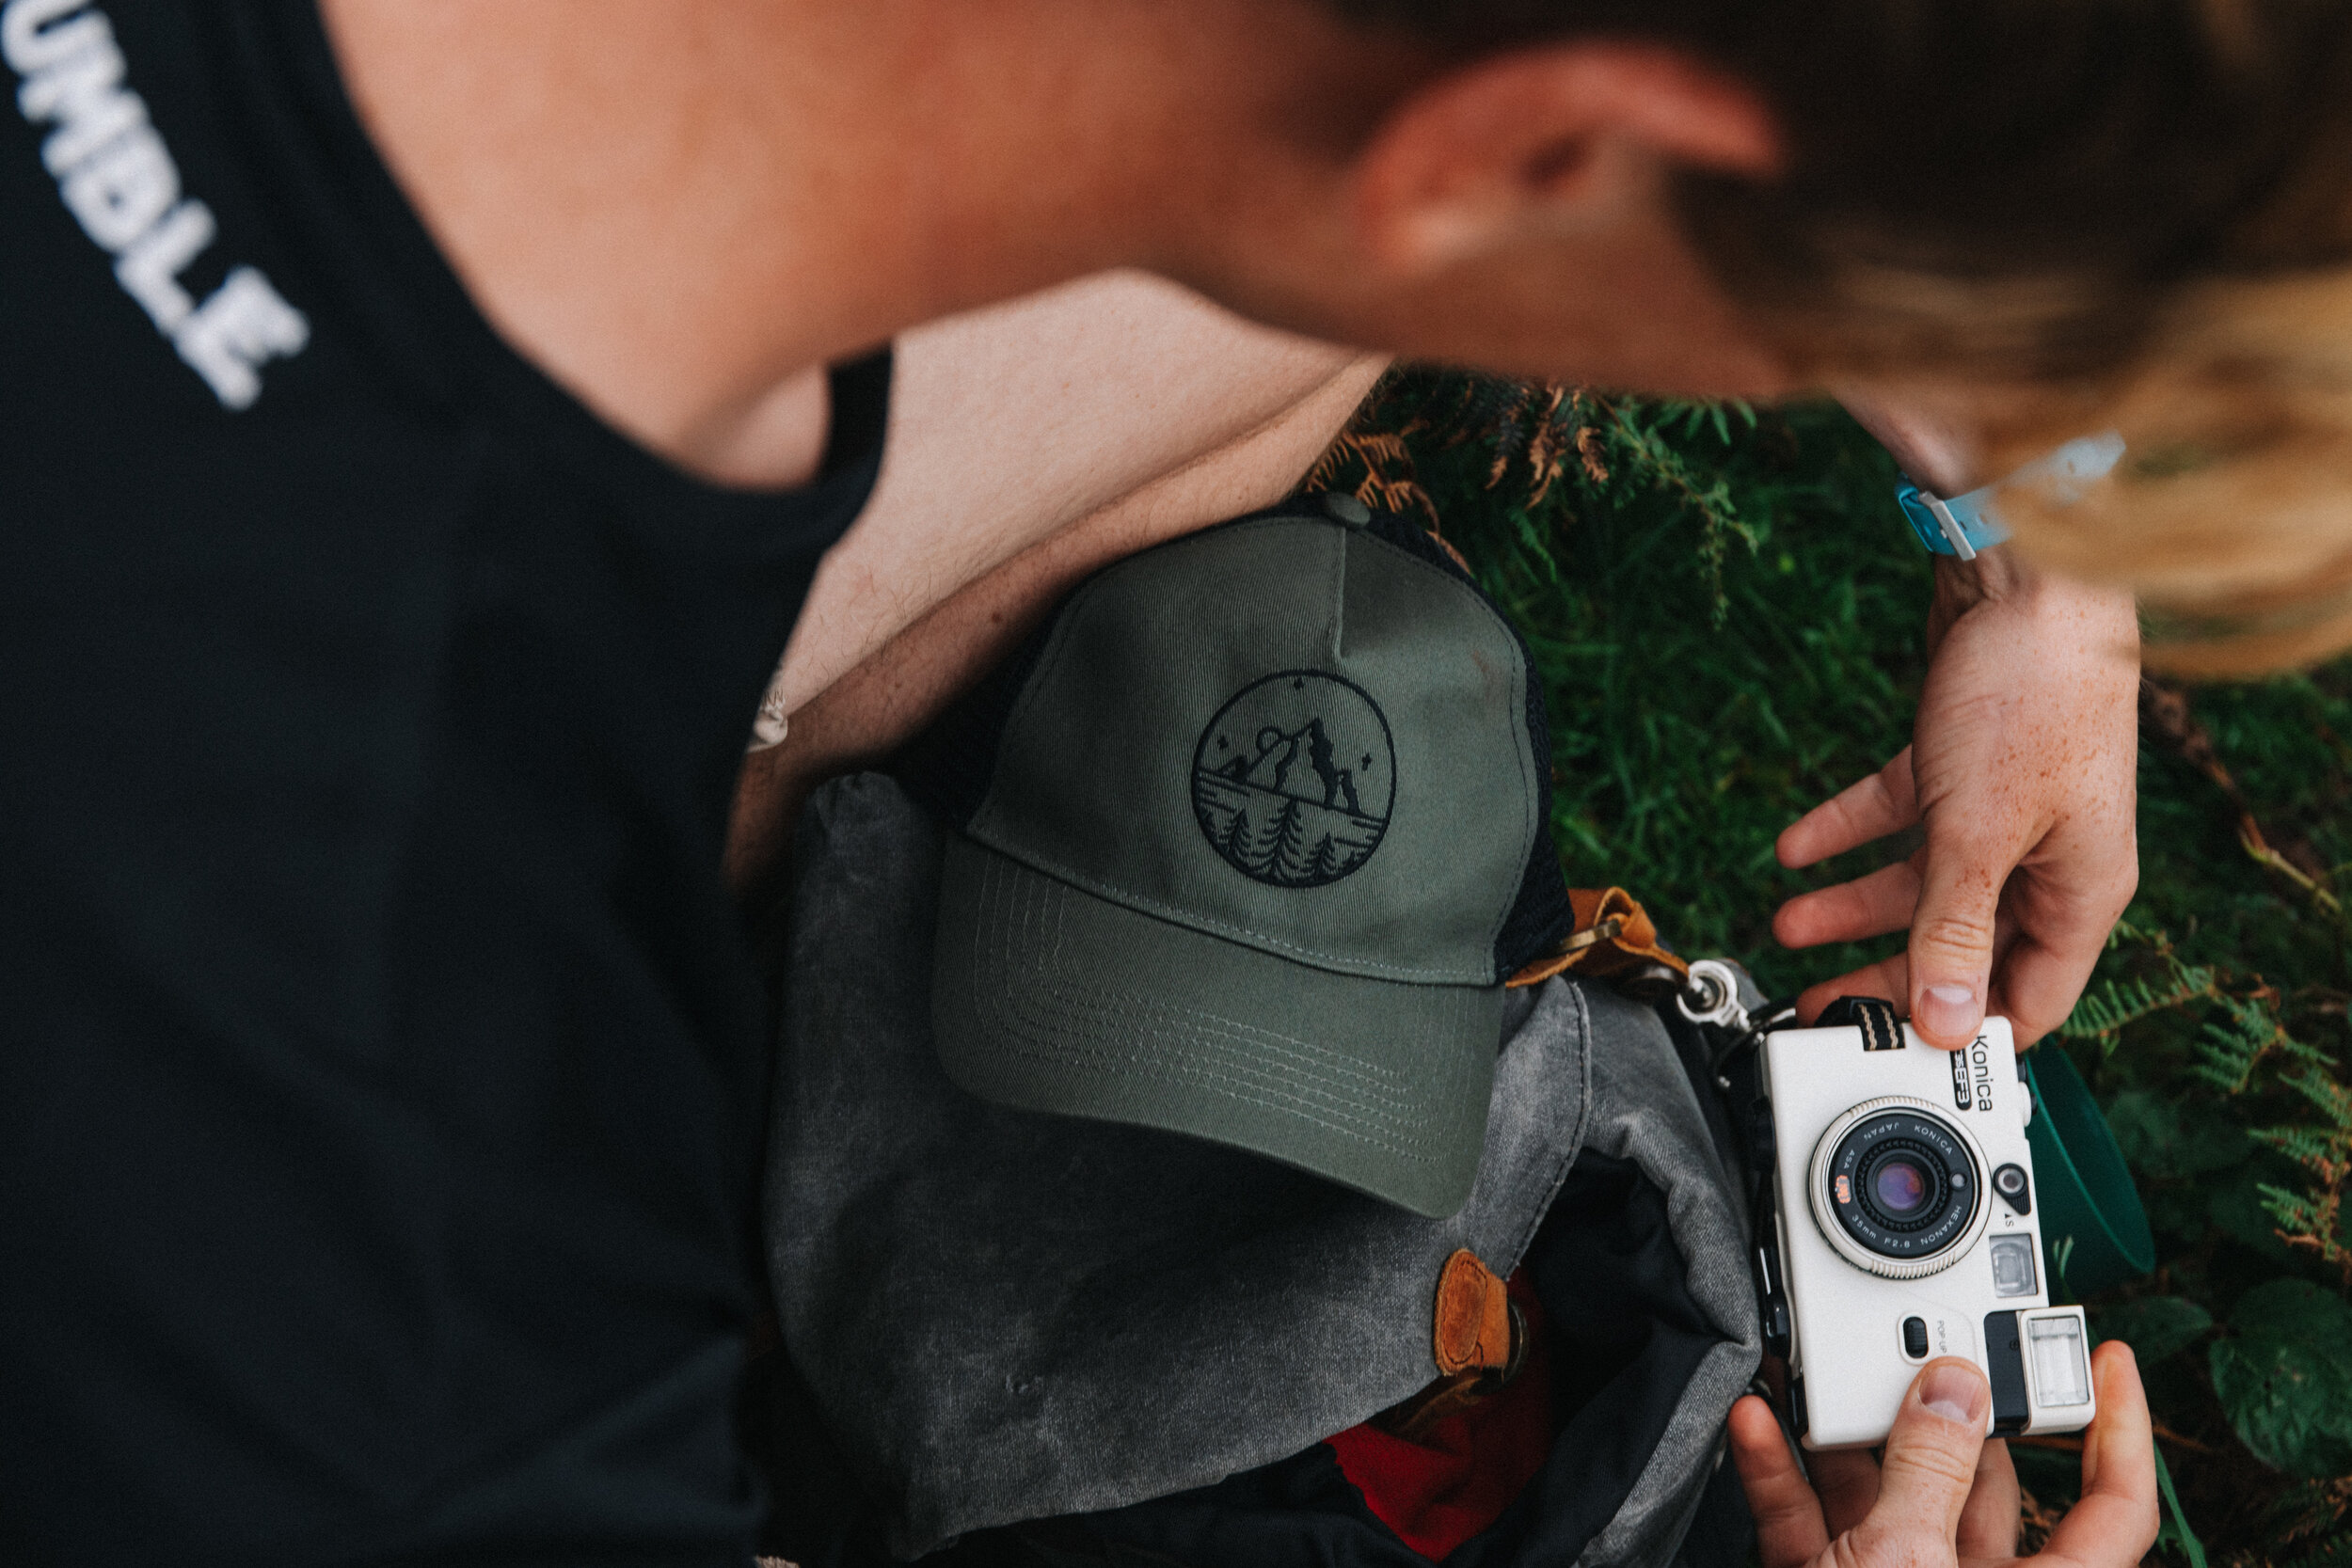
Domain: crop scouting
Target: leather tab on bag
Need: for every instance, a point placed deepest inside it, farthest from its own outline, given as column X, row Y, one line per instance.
column 1472, row 1332
column 1479, row 1339
column 1614, row 940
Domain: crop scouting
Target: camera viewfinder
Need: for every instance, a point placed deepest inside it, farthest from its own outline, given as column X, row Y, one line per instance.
column 2012, row 1266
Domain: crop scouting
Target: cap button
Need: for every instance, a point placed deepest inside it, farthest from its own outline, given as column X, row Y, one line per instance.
column 1347, row 509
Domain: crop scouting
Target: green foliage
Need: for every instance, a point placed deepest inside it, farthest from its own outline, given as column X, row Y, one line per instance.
column 2174, row 1533
column 2242, row 1051
column 2172, row 1140
column 1726, row 609
column 1718, row 654
column 2284, row 1376
column 2153, row 1326
column 2315, row 1511
column 2103, row 1012
column 2313, row 1217
column 2241, row 1033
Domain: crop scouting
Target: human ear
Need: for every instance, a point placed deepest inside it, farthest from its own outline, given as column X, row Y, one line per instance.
column 1545, row 141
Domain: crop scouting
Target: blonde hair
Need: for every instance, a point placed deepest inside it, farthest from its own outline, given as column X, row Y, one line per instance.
column 2231, row 514
column 2129, row 214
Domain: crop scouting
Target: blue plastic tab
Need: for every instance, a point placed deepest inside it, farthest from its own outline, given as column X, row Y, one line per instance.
column 1971, row 530
column 1966, row 524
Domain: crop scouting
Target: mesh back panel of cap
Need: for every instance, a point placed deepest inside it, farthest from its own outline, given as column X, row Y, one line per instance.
column 949, row 767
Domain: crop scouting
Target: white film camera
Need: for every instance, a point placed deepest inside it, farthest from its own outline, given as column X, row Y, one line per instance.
column 1906, row 1230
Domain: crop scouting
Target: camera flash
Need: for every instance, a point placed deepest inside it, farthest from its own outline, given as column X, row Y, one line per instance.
column 2061, row 1375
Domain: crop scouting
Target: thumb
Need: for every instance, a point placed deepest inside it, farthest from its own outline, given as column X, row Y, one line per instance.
column 1952, row 932
column 1931, row 1466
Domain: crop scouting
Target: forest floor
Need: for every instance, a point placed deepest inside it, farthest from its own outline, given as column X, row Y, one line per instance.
column 1725, row 608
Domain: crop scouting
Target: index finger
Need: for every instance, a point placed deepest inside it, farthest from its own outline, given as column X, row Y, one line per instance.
column 2115, row 1524
column 1883, row 803
column 1789, row 1526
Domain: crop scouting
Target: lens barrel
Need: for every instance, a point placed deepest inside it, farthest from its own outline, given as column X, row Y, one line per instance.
column 1900, row 1185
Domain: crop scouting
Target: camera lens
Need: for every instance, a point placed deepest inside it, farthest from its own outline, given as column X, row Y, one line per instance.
column 1900, row 1187
column 1899, row 1183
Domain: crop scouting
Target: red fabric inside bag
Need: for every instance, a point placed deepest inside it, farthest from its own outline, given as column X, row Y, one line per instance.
column 1454, row 1480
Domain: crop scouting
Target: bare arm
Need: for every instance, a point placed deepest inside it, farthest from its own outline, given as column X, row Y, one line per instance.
column 1010, row 425
column 2020, row 773
column 1030, row 446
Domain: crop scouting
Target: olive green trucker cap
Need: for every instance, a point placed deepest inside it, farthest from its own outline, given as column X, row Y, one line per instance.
column 1248, row 837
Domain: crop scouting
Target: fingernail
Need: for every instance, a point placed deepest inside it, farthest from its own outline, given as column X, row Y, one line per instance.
column 1956, row 1393
column 1948, row 1012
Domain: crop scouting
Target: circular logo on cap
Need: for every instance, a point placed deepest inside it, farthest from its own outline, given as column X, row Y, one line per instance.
column 1293, row 779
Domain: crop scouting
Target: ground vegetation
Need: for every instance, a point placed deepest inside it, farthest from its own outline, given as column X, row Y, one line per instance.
column 1725, row 610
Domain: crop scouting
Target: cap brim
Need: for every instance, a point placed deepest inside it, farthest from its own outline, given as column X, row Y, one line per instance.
column 1049, row 998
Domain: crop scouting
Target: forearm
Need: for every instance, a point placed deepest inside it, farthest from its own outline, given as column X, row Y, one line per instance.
column 2057, row 609
column 1938, row 447
column 905, row 682
column 1011, row 425
column 2020, row 773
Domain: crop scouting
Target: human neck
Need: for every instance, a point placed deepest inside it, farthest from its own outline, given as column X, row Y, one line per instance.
column 682, row 210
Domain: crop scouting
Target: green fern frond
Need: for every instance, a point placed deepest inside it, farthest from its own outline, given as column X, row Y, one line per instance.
column 2314, row 1084
column 2102, row 1014
column 2303, row 1144
column 2231, row 1046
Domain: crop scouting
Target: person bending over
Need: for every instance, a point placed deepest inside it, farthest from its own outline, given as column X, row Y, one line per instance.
column 426, row 420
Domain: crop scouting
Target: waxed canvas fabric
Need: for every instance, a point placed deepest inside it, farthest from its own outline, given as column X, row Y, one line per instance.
column 1007, row 1316
column 1285, row 771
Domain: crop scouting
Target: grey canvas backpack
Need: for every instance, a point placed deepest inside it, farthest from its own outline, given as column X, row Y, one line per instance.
column 1013, row 1338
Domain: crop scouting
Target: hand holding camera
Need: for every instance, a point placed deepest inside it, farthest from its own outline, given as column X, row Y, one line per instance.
column 1901, row 1276
column 1943, row 1494
column 1903, row 1229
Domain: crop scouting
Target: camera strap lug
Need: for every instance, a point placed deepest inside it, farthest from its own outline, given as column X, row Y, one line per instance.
column 1882, row 1030
column 1710, row 997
